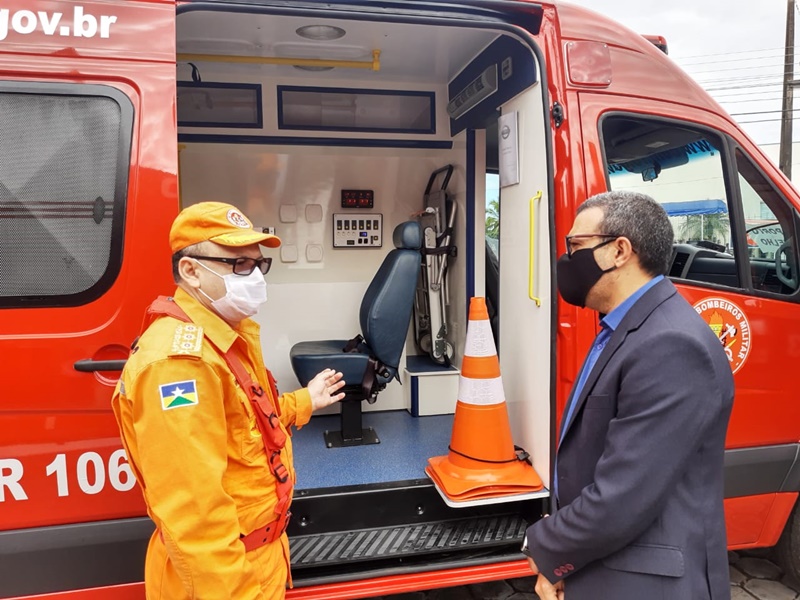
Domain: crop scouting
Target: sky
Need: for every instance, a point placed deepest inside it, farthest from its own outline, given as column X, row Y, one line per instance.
column 733, row 48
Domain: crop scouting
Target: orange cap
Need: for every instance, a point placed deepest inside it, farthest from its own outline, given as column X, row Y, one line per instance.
column 217, row 222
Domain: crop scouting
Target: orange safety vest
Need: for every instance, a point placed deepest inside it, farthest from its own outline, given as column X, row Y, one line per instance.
column 267, row 418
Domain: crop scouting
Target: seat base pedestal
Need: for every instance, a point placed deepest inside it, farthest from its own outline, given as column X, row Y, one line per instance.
column 335, row 439
column 351, row 433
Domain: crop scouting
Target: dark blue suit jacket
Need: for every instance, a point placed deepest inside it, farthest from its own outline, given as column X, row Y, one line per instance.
column 640, row 465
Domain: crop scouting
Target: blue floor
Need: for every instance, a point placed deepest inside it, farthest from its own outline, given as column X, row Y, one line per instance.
column 406, row 444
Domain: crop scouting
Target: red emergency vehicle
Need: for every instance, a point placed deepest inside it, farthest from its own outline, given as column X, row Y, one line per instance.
column 312, row 116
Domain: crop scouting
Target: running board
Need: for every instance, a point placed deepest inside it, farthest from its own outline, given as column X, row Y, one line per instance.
column 392, row 543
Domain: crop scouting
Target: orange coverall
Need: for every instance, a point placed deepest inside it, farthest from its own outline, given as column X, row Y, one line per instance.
column 194, row 446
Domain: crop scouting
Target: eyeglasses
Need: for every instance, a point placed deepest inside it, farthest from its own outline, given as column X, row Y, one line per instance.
column 582, row 236
column 242, row 265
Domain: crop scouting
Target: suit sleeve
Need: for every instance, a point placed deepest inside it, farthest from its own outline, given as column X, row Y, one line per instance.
column 183, row 455
column 668, row 395
column 295, row 408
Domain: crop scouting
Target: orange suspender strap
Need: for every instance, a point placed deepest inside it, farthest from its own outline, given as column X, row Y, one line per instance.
column 274, row 439
column 161, row 306
column 267, row 420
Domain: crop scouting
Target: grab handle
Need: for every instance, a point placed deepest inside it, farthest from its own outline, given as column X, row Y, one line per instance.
column 533, row 291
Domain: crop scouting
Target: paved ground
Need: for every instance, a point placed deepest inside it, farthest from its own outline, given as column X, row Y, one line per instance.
column 753, row 577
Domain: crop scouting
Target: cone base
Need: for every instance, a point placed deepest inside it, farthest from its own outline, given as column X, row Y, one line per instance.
column 461, row 484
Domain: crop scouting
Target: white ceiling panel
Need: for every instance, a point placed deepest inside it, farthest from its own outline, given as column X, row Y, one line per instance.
column 409, row 53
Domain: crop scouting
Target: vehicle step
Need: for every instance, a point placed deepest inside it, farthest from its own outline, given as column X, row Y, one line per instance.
column 392, row 542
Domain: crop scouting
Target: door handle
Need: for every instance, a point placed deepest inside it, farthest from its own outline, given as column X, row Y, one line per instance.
column 87, row 365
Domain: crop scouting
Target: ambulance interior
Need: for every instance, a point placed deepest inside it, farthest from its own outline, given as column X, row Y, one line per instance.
column 348, row 128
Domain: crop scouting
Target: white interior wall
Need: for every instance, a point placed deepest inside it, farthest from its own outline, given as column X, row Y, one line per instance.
column 320, row 300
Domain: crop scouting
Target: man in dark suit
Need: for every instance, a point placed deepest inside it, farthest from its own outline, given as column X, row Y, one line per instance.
column 638, row 481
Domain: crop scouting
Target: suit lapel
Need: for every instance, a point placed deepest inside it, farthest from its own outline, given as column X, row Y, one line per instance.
column 632, row 321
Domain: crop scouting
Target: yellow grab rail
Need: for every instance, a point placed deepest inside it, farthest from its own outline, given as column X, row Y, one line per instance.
column 374, row 64
column 532, row 291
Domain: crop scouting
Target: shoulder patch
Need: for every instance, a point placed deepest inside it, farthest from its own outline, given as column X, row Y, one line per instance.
column 178, row 394
column 187, row 340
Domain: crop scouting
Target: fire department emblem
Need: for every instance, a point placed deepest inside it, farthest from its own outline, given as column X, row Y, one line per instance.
column 730, row 325
column 238, row 219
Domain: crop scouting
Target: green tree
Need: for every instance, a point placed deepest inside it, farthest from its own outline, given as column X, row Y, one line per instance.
column 493, row 220
column 713, row 228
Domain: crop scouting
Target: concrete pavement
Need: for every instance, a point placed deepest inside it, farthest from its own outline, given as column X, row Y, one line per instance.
column 753, row 577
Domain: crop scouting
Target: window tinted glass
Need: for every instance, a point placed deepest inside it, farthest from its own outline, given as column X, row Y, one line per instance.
column 769, row 227
column 681, row 168
column 63, row 173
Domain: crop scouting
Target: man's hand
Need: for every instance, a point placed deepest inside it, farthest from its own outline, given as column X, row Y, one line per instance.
column 323, row 389
column 547, row 591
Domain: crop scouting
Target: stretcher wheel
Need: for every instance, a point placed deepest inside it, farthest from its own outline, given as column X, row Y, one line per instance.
column 445, row 358
column 425, row 343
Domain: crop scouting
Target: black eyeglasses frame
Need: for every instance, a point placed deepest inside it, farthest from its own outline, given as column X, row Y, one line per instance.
column 607, row 236
column 263, row 264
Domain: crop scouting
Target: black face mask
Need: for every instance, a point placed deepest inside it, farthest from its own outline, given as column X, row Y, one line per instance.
column 576, row 275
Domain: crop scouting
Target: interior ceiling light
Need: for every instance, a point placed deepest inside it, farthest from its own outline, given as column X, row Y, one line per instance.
column 320, row 33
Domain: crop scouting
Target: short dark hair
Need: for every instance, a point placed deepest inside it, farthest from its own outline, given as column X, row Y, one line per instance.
column 640, row 219
column 188, row 251
column 176, row 258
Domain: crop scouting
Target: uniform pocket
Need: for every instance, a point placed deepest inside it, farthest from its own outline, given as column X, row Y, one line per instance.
column 666, row 561
column 251, row 445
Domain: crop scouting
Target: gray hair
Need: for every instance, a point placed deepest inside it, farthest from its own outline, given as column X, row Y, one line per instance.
column 640, row 219
column 199, row 248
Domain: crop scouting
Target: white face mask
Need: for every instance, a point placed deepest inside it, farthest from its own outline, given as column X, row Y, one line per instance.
column 244, row 294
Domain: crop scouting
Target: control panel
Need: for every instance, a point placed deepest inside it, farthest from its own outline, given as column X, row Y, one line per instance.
column 357, row 230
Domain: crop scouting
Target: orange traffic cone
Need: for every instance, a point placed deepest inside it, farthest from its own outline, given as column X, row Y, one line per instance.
column 482, row 462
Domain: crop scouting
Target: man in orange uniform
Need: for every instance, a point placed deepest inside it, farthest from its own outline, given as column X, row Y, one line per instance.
column 205, row 430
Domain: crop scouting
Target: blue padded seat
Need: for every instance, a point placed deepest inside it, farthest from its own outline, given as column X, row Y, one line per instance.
column 384, row 316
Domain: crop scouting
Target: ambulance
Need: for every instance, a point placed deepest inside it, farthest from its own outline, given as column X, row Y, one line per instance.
column 334, row 123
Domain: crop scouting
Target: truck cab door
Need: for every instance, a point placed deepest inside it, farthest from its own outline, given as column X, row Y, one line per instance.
column 735, row 259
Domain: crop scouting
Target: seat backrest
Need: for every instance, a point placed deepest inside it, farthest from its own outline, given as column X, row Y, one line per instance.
column 389, row 300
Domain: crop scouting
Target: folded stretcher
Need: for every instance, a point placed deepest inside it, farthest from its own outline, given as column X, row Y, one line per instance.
column 432, row 298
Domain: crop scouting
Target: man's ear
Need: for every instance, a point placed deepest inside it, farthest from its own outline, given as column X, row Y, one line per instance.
column 623, row 251
column 188, row 269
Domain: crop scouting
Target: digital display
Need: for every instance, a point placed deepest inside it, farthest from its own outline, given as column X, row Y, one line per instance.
column 358, row 198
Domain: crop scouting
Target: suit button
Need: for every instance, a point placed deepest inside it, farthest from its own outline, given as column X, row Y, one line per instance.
column 558, row 572
column 569, row 567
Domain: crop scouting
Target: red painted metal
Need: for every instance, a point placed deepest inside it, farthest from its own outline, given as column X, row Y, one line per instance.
column 757, row 521
column 589, row 63
column 47, row 413
column 49, row 409
column 398, row 584
column 364, row 588
column 131, row 591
